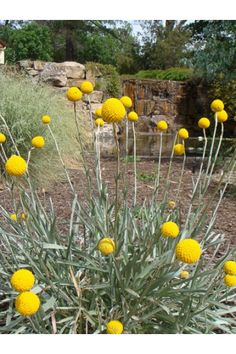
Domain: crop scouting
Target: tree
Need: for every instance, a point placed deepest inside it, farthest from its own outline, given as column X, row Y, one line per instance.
column 29, row 41
column 164, row 43
column 214, row 49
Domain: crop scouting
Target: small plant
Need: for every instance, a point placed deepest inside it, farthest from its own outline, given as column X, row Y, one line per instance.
column 146, row 177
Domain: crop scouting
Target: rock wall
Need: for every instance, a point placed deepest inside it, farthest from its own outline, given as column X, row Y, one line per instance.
column 180, row 103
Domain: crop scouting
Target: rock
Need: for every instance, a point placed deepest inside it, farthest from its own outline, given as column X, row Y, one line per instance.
column 95, row 106
column 74, row 82
column 25, row 64
column 95, row 97
column 73, row 70
column 39, row 65
column 54, row 74
column 32, row 72
column 93, row 73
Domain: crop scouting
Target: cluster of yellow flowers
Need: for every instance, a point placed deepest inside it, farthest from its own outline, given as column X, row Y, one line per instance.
column 217, row 106
column 14, row 217
column 75, row 94
column 27, row 303
column 230, row 273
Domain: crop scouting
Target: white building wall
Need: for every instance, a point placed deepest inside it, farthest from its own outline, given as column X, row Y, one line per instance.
column 2, row 59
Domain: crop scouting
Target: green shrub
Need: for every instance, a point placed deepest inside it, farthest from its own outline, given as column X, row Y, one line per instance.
column 22, row 104
column 175, row 74
column 109, row 82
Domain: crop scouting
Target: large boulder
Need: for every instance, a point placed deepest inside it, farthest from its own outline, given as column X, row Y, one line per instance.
column 73, row 70
column 54, row 74
column 39, row 65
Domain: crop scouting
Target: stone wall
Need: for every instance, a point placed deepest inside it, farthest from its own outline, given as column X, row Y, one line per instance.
column 180, row 103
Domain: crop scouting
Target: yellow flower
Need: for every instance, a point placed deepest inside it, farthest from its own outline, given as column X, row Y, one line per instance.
column 230, row 280
column 113, row 111
column 222, row 116
column 204, row 123
column 99, row 122
column 171, row 204
column 170, row 229
column 38, row 142
column 217, row 106
column 179, row 149
column 74, row 94
column 98, row 112
column 13, row 217
column 2, row 138
column 188, row 251
column 16, row 166
column 132, row 116
column 27, row 303
column 86, row 87
column 183, row 133
column 22, row 280
column 162, row 125
column 184, row 274
column 106, row 246
column 127, row 102
column 23, row 216
column 115, row 327
column 46, row 119
column 230, row 267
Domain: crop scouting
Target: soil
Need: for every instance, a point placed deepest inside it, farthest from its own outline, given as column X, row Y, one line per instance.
column 62, row 196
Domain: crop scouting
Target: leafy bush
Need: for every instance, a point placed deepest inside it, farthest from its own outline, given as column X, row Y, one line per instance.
column 175, row 74
column 22, row 104
column 109, row 81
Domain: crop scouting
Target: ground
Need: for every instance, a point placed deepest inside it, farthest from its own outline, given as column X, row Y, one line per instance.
column 62, row 196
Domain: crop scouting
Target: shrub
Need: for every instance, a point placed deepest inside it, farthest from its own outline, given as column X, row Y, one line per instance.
column 109, row 82
column 114, row 267
column 175, row 74
column 22, row 104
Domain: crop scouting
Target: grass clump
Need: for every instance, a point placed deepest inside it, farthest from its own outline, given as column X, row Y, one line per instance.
column 22, row 104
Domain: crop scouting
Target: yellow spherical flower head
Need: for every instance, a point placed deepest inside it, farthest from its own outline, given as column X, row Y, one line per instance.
column 204, row 123
column 22, row 280
column 184, row 274
column 38, row 142
column 183, row 133
column 162, row 125
column 46, row 119
column 127, row 102
column 113, row 111
column 2, row 138
column 217, row 106
column 86, row 87
column 179, row 149
column 23, row 216
column 27, row 303
column 188, row 251
column 16, row 166
column 98, row 112
column 99, row 122
column 74, row 94
column 13, row 217
column 230, row 280
column 222, row 116
column 171, row 204
column 106, row 246
column 170, row 229
column 115, row 327
column 230, row 267
column 132, row 116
